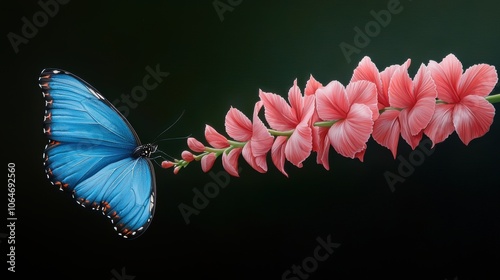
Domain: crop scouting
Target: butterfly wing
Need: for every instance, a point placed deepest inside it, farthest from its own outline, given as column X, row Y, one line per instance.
column 90, row 153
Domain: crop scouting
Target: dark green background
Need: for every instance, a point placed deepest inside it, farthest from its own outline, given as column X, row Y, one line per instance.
column 442, row 222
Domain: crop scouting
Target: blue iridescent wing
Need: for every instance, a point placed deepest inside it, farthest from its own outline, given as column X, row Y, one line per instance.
column 92, row 153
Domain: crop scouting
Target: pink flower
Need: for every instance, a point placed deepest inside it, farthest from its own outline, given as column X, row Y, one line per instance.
column 294, row 117
column 465, row 109
column 386, row 128
column 415, row 100
column 351, row 111
column 408, row 105
column 257, row 138
column 367, row 71
column 321, row 143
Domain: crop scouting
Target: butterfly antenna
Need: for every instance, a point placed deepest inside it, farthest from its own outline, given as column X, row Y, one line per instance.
column 175, row 122
column 161, row 157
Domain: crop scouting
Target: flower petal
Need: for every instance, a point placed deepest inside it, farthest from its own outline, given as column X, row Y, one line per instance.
column 441, row 123
column 363, row 92
column 261, row 140
column 472, row 117
column 323, row 147
column 187, row 156
column 386, row 130
column 214, row 138
column 401, row 89
column 332, row 102
column 277, row 112
column 299, row 145
column 195, row 145
column 361, row 154
column 167, row 164
column 207, row 162
column 238, row 126
column 230, row 161
column 411, row 138
column 296, row 101
column 478, row 80
column 424, row 93
column 367, row 71
column 278, row 153
column 385, row 76
column 447, row 75
column 254, row 162
column 311, row 86
column 349, row 136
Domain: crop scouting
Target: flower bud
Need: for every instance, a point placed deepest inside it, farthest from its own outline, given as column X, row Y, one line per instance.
column 166, row 164
column 187, row 156
column 195, row 145
column 207, row 162
column 176, row 169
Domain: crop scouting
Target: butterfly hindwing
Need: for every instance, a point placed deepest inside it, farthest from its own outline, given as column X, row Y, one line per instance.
column 91, row 153
column 121, row 194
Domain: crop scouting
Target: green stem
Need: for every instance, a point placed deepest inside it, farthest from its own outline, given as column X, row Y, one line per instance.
column 213, row 150
column 324, row 123
column 493, row 98
column 389, row 108
column 280, row 133
column 236, row 144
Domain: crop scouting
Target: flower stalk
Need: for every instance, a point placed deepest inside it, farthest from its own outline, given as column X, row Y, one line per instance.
column 385, row 105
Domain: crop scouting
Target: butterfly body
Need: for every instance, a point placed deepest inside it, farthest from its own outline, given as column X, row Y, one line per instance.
column 95, row 154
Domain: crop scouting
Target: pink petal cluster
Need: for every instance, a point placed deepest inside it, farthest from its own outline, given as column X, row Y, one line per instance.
column 294, row 118
column 386, row 105
column 464, row 108
column 408, row 104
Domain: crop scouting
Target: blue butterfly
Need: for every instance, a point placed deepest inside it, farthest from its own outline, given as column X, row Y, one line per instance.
column 95, row 154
